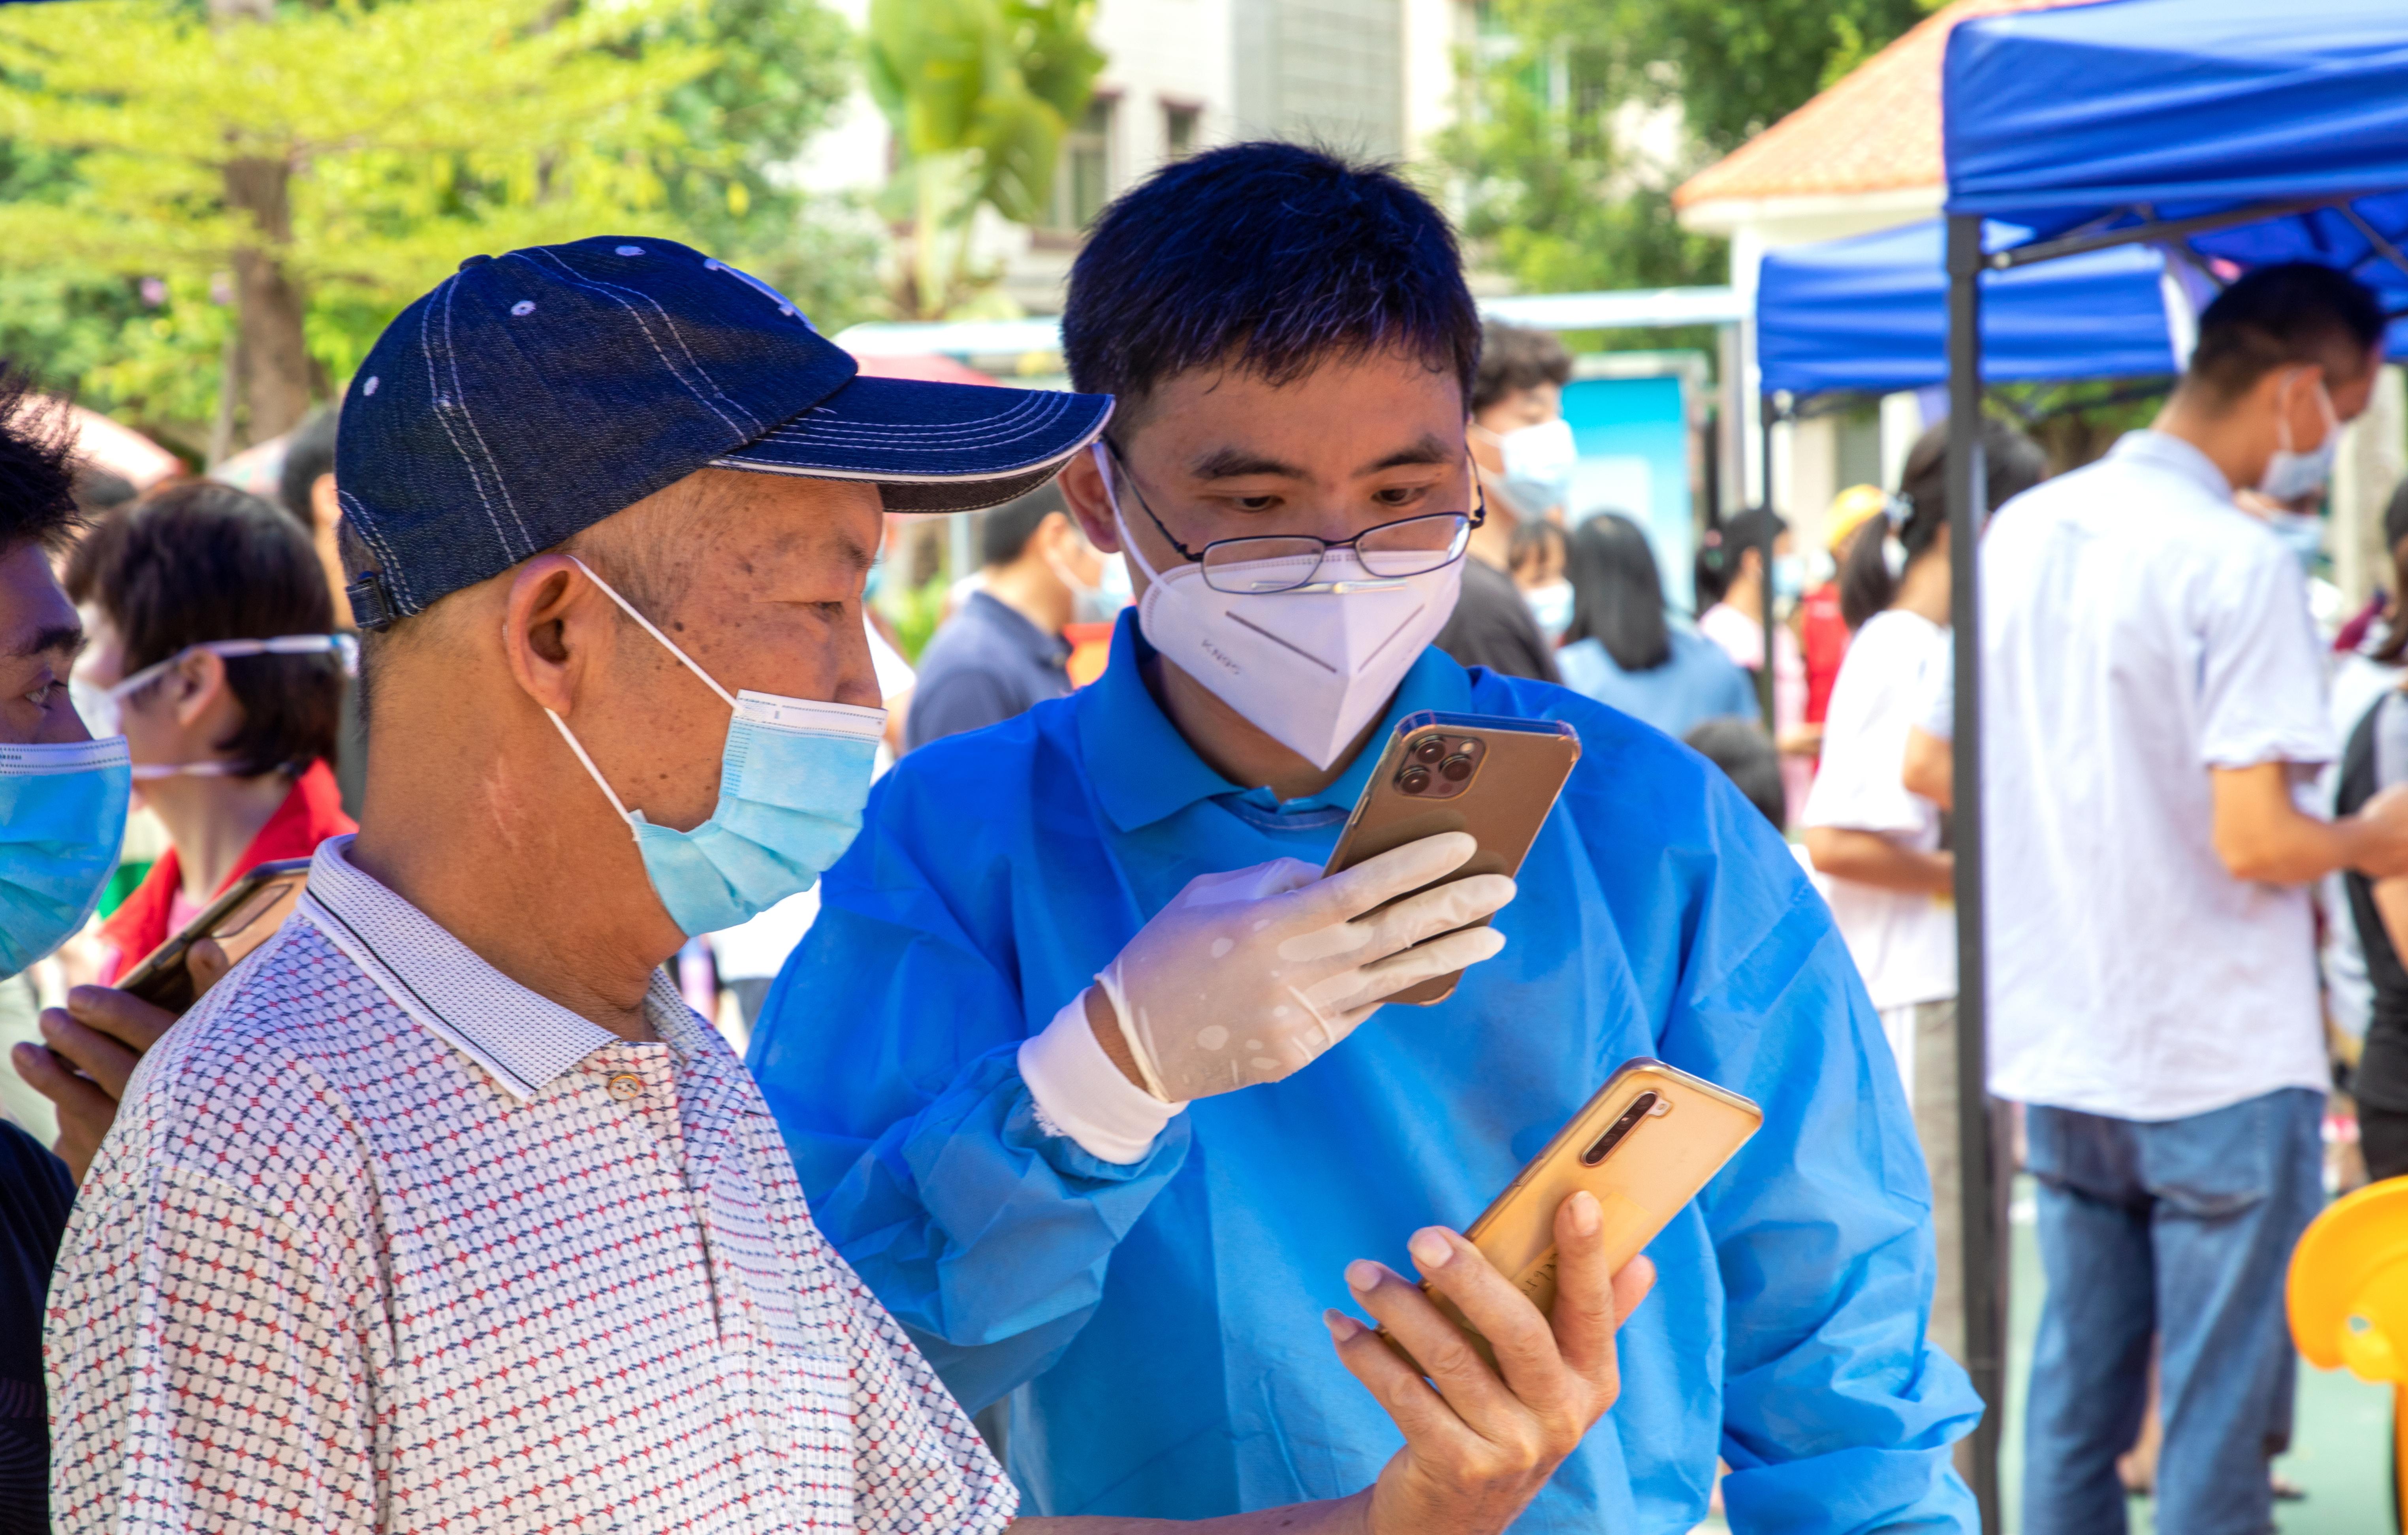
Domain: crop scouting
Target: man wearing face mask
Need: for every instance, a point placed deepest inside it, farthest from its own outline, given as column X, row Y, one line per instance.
column 442, row 1212
column 1084, row 1065
column 1003, row 651
column 2153, row 698
column 1524, row 449
column 63, row 799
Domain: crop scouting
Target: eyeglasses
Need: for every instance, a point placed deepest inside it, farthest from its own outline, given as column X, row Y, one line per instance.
column 1410, row 546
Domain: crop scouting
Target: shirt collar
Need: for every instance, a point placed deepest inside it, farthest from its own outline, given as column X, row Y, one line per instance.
column 2157, row 449
column 524, row 1040
column 1145, row 771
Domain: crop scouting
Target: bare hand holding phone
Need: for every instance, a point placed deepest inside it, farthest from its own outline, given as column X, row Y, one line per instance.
column 1481, row 1439
column 91, row 1047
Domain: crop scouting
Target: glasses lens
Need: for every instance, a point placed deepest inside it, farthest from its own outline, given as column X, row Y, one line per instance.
column 1414, row 546
column 1260, row 564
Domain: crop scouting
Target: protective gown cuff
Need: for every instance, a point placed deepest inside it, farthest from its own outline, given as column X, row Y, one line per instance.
column 1078, row 1092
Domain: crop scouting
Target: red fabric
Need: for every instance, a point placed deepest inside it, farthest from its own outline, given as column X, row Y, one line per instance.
column 313, row 812
column 1823, row 640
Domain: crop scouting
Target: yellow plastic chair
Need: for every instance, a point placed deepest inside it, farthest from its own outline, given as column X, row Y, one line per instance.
column 2348, row 1295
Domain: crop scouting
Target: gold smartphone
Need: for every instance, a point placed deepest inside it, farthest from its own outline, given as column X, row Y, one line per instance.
column 242, row 919
column 1492, row 776
column 1644, row 1145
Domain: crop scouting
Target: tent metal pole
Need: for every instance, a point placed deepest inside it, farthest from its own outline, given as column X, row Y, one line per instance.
column 1983, row 1286
column 1763, row 584
column 2152, row 229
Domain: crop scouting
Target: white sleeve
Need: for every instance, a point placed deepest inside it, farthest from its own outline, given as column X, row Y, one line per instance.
column 1935, row 714
column 2262, row 673
column 1080, row 1092
column 1857, row 785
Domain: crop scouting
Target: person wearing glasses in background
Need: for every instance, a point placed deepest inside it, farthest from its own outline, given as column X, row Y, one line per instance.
column 211, row 653
column 1083, row 1064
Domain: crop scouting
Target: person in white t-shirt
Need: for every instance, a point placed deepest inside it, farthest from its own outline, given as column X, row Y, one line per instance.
column 1876, row 843
column 2153, row 698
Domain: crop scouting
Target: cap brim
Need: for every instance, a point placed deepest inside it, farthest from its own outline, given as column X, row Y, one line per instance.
column 931, row 447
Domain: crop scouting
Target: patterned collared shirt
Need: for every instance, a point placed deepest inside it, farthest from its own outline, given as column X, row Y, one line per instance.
column 382, row 1241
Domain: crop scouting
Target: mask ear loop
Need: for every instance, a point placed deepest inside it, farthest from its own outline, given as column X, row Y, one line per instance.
column 1111, row 498
column 635, row 823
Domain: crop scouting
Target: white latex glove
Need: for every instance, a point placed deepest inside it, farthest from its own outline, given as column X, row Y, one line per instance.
column 1247, row 976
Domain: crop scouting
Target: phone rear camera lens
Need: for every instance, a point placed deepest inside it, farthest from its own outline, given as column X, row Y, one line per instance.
column 1413, row 780
column 1430, row 749
column 1455, row 769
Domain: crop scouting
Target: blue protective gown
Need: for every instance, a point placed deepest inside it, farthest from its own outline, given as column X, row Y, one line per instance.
column 1165, row 1317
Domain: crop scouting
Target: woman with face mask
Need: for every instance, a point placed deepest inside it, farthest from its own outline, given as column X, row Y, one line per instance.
column 1620, row 650
column 1742, row 555
column 213, row 654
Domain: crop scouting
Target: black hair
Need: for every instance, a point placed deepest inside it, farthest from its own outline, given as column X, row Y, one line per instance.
column 2294, row 312
column 1617, row 592
column 202, row 561
column 1745, row 752
column 1532, row 535
column 1512, row 359
column 37, row 441
column 1269, row 257
column 1004, row 532
column 2012, row 464
column 1719, row 552
column 309, row 452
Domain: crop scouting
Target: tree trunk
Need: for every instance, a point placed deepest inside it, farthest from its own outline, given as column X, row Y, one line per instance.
column 275, row 353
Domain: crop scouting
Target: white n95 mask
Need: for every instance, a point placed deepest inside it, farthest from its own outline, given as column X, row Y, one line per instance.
column 1308, row 666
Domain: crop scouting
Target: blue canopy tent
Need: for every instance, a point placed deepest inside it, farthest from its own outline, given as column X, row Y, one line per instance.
column 2229, row 130
column 1869, row 313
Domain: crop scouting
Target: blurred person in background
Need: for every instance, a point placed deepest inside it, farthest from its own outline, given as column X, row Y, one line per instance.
column 229, row 746
column 306, row 486
column 2153, row 693
column 1745, row 752
column 1888, row 881
column 1539, row 553
column 1740, row 557
column 1002, row 650
column 1524, row 451
column 232, row 748
column 2375, row 911
column 1823, row 626
column 1621, row 651
column 63, row 799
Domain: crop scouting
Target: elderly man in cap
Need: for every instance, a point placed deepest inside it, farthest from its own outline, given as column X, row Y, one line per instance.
column 442, row 1212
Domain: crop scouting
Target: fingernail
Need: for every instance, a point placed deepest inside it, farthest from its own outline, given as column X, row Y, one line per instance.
column 1342, row 1327
column 1587, row 1215
column 1361, row 1276
column 1430, row 1248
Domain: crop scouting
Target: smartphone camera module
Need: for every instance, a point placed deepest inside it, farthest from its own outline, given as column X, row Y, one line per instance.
column 1645, row 1106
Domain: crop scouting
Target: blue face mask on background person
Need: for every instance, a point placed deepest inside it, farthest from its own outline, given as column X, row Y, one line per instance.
column 793, row 778
column 1538, row 465
column 2291, row 474
column 62, row 821
column 1552, row 606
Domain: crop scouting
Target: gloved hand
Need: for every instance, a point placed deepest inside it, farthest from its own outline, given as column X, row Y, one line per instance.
column 1247, row 976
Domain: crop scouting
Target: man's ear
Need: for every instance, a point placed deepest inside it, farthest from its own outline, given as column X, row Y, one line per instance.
column 199, row 681
column 1083, row 491
column 554, row 621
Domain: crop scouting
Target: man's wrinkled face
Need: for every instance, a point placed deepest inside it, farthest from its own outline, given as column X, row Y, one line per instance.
column 40, row 637
column 767, row 573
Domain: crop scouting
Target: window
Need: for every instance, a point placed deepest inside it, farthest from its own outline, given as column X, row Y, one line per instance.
column 1179, row 131
column 1082, row 184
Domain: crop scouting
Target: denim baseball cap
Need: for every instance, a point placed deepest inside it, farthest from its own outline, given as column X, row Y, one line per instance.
column 532, row 395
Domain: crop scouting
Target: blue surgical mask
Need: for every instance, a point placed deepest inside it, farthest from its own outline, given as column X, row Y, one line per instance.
column 793, row 778
column 1537, row 465
column 1552, row 606
column 2291, row 474
column 1788, row 578
column 62, row 821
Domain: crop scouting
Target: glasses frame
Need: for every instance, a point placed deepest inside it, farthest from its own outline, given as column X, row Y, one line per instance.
column 1474, row 520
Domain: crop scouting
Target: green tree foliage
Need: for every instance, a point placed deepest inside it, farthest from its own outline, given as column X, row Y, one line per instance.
column 172, row 174
column 979, row 93
column 1557, row 197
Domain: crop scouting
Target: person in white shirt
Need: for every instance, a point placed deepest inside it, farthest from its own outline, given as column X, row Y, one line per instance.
column 2152, row 695
column 1876, row 841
